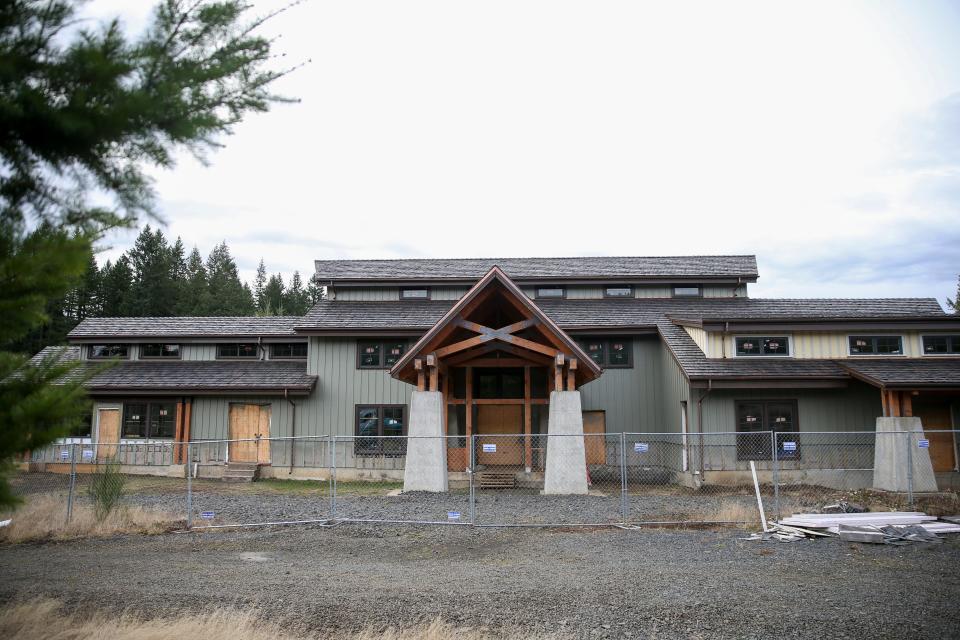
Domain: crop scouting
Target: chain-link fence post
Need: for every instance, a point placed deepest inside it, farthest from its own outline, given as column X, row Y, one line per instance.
column 471, row 442
column 333, row 477
column 73, row 481
column 623, row 477
column 909, row 438
column 776, row 475
column 189, row 488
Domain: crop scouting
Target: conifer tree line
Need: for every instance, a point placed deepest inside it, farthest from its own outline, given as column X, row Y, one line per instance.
column 156, row 278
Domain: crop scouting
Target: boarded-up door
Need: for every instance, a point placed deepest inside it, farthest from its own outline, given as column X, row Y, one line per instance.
column 937, row 416
column 595, row 422
column 500, row 418
column 247, row 422
column 108, row 431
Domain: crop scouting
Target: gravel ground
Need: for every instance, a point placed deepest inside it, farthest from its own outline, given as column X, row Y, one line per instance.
column 651, row 583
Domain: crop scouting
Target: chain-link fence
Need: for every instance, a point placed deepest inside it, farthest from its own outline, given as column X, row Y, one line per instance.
column 495, row 479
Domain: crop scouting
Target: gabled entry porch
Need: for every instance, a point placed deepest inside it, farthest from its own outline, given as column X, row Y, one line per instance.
column 494, row 363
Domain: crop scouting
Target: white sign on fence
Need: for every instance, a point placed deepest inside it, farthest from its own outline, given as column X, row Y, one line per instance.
column 489, row 448
column 453, row 515
column 789, row 446
column 641, row 447
column 88, row 454
column 923, row 444
column 64, row 455
column 206, row 515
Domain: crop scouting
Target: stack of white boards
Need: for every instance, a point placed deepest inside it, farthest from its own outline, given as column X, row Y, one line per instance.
column 831, row 521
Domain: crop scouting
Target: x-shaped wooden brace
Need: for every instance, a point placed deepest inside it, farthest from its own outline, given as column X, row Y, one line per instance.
column 503, row 334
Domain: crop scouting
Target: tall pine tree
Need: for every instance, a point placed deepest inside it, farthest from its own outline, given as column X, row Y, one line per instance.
column 227, row 295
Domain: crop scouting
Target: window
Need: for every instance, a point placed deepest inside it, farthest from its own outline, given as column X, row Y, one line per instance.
column 686, row 292
column 551, row 292
column 938, row 345
column 876, row 345
column 756, row 418
column 763, row 346
column 498, row 383
column 415, row 294
column 83, row 428
column 99, row 351
column 376, row 421
column 608, row 352
column 238, row 350
column 625, row 291
column 379, row 354
column 160, row 351
column 288, row 350
column 149, row 419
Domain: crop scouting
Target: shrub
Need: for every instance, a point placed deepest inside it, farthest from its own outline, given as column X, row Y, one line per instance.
column 106, row 490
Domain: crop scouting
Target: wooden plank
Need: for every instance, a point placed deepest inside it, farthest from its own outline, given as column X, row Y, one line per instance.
column 906, row 404
column 108, row 430
column 558, row 372
column 894, row 400
column 594, row 430
column 469, row 403
column 572, row 375
column 263, row 431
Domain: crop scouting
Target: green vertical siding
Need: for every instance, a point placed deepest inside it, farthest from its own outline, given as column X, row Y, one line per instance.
column 628, row 396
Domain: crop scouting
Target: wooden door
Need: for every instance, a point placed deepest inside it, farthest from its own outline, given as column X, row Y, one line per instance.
column 247, row 422
column 595, row 422
column 500, row 419
column 108, row 431
column 937, row 416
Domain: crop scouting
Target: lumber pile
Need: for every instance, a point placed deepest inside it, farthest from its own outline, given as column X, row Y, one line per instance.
column 892, row 527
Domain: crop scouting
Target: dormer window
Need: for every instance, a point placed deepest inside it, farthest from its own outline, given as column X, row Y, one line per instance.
column 941, row 345
column 242, row 350
column 686, row 292
column 551, row 292
column 624, row 291
column 105, row 351
column 421, row 293
column 762, row 345
column 167, row 351
column 876, row 345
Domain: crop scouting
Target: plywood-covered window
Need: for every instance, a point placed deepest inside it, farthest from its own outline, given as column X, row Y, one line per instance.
column 379, row 354
column 762, row 345
column 375, row 425
column 756, row 419
column 941, row 345
column 876, row 345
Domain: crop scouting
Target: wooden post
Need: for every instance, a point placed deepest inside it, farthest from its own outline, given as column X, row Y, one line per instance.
column 885, row 403
column 906, row 403
column 432, row 365
column 572, row 375
column 894, row 400
column 558, row 372
column 469, row 406
column 421, row 377
column 527, row 421
column 446, row 400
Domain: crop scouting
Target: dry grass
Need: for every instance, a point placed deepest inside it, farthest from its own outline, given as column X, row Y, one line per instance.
column 733, row 511
column 43, row 618
column 44, row 518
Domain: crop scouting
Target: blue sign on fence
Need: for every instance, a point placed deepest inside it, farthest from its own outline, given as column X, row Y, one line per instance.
column 789, row 446
column 923, row 444
column 206, row 515
column 489, row 448
column 64, row 455
column 88, row 454
column 453, row 515
column 641, row 447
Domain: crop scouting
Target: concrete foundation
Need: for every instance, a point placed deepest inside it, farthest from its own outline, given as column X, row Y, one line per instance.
column 426, row 466
column 897, row 456
column 566, row 468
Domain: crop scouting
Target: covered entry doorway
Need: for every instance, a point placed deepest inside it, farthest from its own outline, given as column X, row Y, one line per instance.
column 247, row 423
column 500, row 425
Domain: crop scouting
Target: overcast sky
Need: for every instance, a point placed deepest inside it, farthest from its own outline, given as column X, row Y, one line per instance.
column 824, row 137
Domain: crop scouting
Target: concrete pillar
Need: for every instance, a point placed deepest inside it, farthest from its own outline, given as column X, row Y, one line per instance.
column 566, row 469
column 894, row 453
column 426, row 467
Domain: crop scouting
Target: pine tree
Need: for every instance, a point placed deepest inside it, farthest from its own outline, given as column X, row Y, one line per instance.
column 178, row 272
column 227, row 296
column 955, row 303
column 86, row 112
column 259, row 283
column 154, row 290
column 117, row 279
column 314, row 293
column 195, row 298
column 273, row 295
column 89, row 291
column 297, row 302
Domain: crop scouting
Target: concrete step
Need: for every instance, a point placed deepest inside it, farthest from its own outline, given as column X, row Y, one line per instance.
column 241, row 472
column 251, row 466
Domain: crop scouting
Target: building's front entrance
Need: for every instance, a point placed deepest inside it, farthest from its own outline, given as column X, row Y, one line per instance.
column 494, row 446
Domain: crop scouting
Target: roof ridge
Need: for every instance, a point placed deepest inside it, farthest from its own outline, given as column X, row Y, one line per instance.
column 683, row 256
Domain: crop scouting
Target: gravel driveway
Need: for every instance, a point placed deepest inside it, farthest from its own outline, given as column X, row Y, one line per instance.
column 588, row 583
